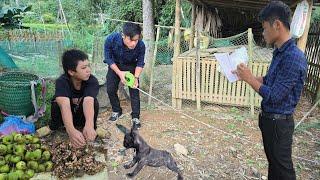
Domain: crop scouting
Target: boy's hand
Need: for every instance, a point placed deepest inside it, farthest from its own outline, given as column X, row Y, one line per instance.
column 89, row 133
column 76, row 138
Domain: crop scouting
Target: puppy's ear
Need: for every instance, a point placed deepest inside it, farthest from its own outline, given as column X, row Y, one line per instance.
column 123, row 129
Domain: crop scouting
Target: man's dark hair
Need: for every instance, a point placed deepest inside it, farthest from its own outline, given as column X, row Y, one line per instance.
column 131, row 29
column 71, row 58
column 276, row 10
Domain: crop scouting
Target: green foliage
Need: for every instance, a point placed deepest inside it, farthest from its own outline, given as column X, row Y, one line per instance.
column 10, row 17
column 130, row 10
column 41, row 27
column 83, row 20
column 308, row 126
column 167, row 13
column 48, row 18
column 31, row 17
column 316, row 15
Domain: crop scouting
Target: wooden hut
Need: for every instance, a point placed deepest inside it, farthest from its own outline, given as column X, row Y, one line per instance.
column 195, row 73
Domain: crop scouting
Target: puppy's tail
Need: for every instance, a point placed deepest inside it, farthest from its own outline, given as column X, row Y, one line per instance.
column 122, row 128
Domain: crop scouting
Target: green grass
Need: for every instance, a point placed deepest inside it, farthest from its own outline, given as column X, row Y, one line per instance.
column 92, row 29
column 46, row 26
column 307, row 126
column 231, row 126
column 40, row 67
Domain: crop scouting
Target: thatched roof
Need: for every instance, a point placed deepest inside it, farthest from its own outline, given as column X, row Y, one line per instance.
column 241, row 4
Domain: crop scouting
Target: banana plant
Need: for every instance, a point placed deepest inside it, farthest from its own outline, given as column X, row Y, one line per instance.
column 10, row 17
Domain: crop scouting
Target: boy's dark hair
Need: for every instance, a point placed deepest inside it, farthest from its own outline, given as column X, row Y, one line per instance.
column 131, row 29
column 276, row 10
column 70, row 59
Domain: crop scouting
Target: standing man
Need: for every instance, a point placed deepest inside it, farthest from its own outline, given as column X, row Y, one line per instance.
column 280, row 89
column 124, row 52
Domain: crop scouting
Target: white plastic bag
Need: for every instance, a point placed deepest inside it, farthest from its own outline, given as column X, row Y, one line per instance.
column 299, row 19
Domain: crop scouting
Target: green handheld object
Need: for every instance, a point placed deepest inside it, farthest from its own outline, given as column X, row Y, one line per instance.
column 129, row 79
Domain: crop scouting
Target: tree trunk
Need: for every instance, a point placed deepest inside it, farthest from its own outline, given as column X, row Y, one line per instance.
column 148, row 37
column 177, row 39
column 302, row 41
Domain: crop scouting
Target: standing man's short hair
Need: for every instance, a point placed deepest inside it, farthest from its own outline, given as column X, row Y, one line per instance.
column 131, row 29
column 70, row 59
column 276, row 10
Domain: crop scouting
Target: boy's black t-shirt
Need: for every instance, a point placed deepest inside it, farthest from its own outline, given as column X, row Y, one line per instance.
column 65, row 88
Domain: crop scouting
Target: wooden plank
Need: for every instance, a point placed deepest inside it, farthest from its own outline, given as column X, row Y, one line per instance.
column 250, row 49
column 229, row 94
column 224, row 91
column 260, row 73
column 202, row 76
column 204, row 84
column 238, row 93
column 180, row 77
column 233, row 92
column 212, row 77
column 174, row 83
column 198, row 72
column 216, row 82
column 221, row 80
column 254, row 71
column 188, row 81
column 241, row 4
column 184, row 82
column 207, row 80
column 193, row 75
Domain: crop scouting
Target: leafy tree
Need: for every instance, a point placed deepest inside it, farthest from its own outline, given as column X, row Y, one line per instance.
column 10, row 17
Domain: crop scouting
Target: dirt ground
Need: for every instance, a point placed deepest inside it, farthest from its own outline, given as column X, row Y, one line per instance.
column 212, row 154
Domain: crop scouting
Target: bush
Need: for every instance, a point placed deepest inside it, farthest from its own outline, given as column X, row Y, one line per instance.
column 48, row 18
column 316, row 15
column 31, row 17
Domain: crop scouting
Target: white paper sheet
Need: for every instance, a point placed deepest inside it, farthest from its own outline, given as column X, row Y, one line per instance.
column 229, row 62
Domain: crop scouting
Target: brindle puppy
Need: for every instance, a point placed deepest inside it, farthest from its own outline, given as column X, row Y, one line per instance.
column 146, row 155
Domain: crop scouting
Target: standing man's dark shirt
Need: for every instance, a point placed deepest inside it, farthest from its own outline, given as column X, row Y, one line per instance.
column 283, row 84
column 117, row 53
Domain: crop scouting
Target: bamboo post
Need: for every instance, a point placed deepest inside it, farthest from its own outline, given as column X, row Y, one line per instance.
column 175, row 84
column 302, row 42
column 198, row 71
column 250, row 50
column 93, row 51
column 193, row 20
column 152, row 64
column 60, row 51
